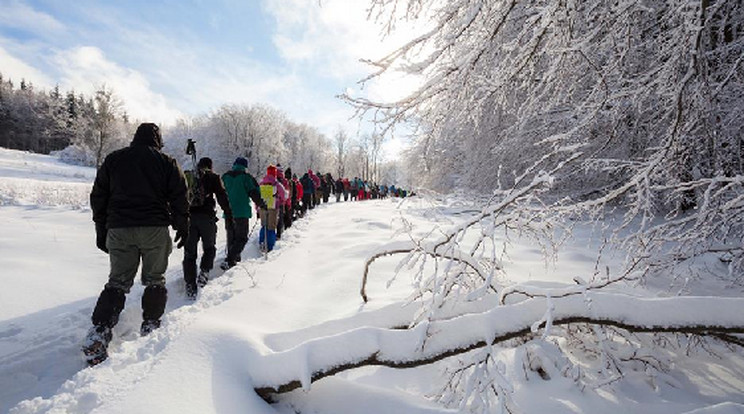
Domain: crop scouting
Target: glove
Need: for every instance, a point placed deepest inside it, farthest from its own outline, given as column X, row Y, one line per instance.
column 182, row 233
column 101, row 234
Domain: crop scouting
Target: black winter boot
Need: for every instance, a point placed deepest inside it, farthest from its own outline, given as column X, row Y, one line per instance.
column 109, row 306
column 153, row 307
column 95, row 345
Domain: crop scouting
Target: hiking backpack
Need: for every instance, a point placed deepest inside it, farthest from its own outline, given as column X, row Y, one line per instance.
column 195, row 185
column 268, row 192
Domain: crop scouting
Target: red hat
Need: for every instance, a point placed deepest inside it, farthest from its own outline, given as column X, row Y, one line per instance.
column 271, row 170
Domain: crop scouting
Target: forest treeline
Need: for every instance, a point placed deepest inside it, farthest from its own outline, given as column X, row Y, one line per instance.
column 84, row 129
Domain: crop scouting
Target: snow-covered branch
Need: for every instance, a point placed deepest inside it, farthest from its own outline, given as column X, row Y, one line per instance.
column 432, row 342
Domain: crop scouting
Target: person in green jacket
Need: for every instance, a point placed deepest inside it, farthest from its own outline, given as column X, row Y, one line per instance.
column 241, row 188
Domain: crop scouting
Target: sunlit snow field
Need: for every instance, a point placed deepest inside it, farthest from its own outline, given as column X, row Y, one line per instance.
column 208, row 353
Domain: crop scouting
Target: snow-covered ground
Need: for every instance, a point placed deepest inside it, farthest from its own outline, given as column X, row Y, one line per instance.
column 268, row 318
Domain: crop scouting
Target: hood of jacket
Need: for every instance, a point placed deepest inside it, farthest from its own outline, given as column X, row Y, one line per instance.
column 148, row 134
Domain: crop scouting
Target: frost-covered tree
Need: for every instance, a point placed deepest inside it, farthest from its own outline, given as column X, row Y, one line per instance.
column 557, row 109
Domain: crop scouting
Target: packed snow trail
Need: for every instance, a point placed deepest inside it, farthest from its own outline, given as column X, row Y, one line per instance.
column 301, row 267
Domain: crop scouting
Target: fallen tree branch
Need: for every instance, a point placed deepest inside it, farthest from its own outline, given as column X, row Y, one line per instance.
column 429, row 343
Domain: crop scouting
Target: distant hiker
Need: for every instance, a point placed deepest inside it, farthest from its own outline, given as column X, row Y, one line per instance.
column 347, row 187
column 241, row 188
column 289, row 205
column 318, row 192
column 282, row 209
column 329, row 187
column 138, row 192
column 354, row 188
column 308, row 190
column 339, row 189
column 297, row 209
column 273, row 195
column 204, row 226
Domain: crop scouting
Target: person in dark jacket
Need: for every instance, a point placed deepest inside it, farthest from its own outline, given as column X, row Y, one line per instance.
column 339, row 189
column 138, row 192
column 204, row 226
column 241, row 188
column 308, row 191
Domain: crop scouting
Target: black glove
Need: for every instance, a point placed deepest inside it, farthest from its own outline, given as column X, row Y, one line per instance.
column 101, row 234
column 182, row 233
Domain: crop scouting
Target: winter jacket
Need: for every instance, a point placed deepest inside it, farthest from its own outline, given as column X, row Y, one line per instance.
column 308, row 186
column 287, row 187
column 212, row 187
column 241, row 188
column 139, row 186
column 339, row 186
column 298, row 188
column 280, row 196
column 316, row 180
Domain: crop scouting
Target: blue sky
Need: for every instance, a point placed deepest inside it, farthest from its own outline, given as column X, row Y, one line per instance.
column 167, row 59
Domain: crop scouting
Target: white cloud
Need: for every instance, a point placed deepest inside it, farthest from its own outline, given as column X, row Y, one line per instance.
column 332, row 37
column 21, row 16
column 86, row 68
column 16, row 69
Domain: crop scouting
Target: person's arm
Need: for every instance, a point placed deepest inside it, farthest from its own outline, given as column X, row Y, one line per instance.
column 99, row 196
column 221, row 195
column 177, row 197
column 254, row 192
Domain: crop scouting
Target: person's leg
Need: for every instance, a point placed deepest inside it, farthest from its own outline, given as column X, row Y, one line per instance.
column 240, row 239
column 209, row 243
column 124, row 260
column 230, row 242
column 155, row 246
column 271, row 226
column 190, row 254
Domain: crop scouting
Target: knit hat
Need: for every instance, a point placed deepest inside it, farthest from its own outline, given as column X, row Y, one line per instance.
column 271, row 171
column 205, row 162
column 241, row 161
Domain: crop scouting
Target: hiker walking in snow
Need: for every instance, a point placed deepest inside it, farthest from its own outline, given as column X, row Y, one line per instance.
column 347, row 186
column 290, row 203
column 273, row 195
column 298, row 194
column 308, row 192
column 339, row 189
column 138, row 192
column 318, row 192
column 206, row 186
column 354, row 189
column 241, row 188
column 282, row 209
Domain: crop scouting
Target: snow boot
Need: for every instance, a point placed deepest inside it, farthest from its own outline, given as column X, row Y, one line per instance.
column 149, row 326
column 191, row 291
column 153, row 307
column 203, row 278
column 95, row 344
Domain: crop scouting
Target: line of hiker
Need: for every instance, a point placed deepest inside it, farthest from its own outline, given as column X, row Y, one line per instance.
column 139, row 191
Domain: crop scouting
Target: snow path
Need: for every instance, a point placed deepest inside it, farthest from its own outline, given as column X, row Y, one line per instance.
column 302, row 266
